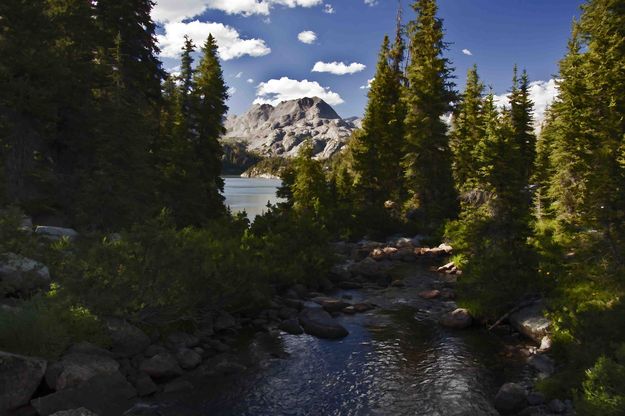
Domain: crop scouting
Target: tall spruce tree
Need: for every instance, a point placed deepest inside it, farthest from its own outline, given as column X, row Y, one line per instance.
column 211, row 94
column 468, row 130
column 428, row 98
column 521, row 119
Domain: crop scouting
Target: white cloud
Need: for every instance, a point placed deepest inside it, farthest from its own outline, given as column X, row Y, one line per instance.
column 179, row 10
column 371, row 2
column 239, row 75
column 308, row 36
column 275, row 91
column 250, row 81
column 338, row 68
column 230, row 43
column 542, row 94
column 231, row 91
column 368, row 86
column 467, row 52
column 327, row 8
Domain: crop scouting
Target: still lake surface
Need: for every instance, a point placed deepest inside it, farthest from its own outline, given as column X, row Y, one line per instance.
column 250, row 194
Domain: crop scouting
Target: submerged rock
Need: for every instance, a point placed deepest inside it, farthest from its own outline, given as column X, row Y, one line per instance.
column 457, row 319
column 319, row 323
column 510, row 399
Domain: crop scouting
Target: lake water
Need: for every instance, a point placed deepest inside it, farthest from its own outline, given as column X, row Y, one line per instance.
column 250, row 194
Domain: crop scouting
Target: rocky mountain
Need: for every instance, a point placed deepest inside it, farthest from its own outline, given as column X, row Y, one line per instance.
column 281, row 130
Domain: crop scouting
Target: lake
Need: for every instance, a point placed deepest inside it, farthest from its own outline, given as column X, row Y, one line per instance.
column 250, row 194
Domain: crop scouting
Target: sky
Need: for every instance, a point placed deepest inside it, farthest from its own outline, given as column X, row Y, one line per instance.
column 273, row 50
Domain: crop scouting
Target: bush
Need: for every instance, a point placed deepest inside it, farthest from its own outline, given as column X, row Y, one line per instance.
column 45, row 326
column 158, row 274
column 604, row 388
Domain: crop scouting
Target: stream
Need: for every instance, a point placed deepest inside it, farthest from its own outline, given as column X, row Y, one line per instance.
column 396, row 360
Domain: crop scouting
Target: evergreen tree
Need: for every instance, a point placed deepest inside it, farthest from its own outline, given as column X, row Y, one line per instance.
column 211, row 94
column 521, row 119
column 428, row 95
column 468, row 130
column 309, row 188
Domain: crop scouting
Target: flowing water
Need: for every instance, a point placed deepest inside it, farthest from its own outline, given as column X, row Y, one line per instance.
column 396, row 360
column 250, row 194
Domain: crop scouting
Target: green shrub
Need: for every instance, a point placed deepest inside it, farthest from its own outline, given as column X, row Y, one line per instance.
column 604, row 388
column 47, row 326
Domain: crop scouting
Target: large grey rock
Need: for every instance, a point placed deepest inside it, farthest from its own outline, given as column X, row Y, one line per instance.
column 371, row 269
column 76, row 368
column 145, row 385
column 75, row 412
column 21, row 275
column 188, row 358
column 19, row 378
column 161, row 366
column 531, row 322
column 319, row 323
column 105, row 395
column 127, row 340
column 510, row 399
column 56, row 233
column 281, row 130
column 543, row 364
column 177, row 340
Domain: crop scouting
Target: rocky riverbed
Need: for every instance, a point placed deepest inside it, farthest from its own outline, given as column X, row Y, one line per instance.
column 381, row 335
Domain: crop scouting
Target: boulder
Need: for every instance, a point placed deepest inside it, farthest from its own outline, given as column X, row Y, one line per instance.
column 224, row 321
column 177, row 385
column 19, row 378
column 331, row 304
column 161, row 366
column 154, row 349
column 370, row 268
column 56, row 233
column 21, row 275
column 291, row 326
column 127, row 340
column 531, row 322
column 363, row 307
column 108, row 394
column 510, row 399
column 75, row 412
column 145, row 385
column 457, row 319
column 188, row 359
column 177, row 340
column 76, row 368
column 319, row 323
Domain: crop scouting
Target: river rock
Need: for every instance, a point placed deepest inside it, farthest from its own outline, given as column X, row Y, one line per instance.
column 531, row 322
column 457, row 319
column 145, row 385
column 56, row 233
column 510, row 399
column 161, row 366
column 543, row 364
column 370, row 268
column 291, row 326
column 330, row 304
column 430, row 294
column 557, row 406
column 177, row 385
column 108, row 394
column 177, row 340
column 363, row 307
column 21, row 275
column 319, row 323
column 155, row 349
column 224, row 321
column 347, row 285
column 188, row 358
column 75, row 412
column 19, row 378
column 85, row 347
column 75, row 368
column 126, row 339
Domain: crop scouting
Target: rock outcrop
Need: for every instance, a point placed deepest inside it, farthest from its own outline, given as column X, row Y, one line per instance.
column 281, row 130
column 19, row 378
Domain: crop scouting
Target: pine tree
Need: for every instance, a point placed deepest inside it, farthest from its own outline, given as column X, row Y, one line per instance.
column 521, row 119
column 428, row 95
column 211, row 94
column 468, row 130
column 309, row 188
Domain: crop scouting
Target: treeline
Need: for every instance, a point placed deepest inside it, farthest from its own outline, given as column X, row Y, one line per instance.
column 528, row 216
column 95, row 135
column 90, row 134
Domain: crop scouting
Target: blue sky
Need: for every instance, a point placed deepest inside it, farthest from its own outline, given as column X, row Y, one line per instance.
column 261, row 52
